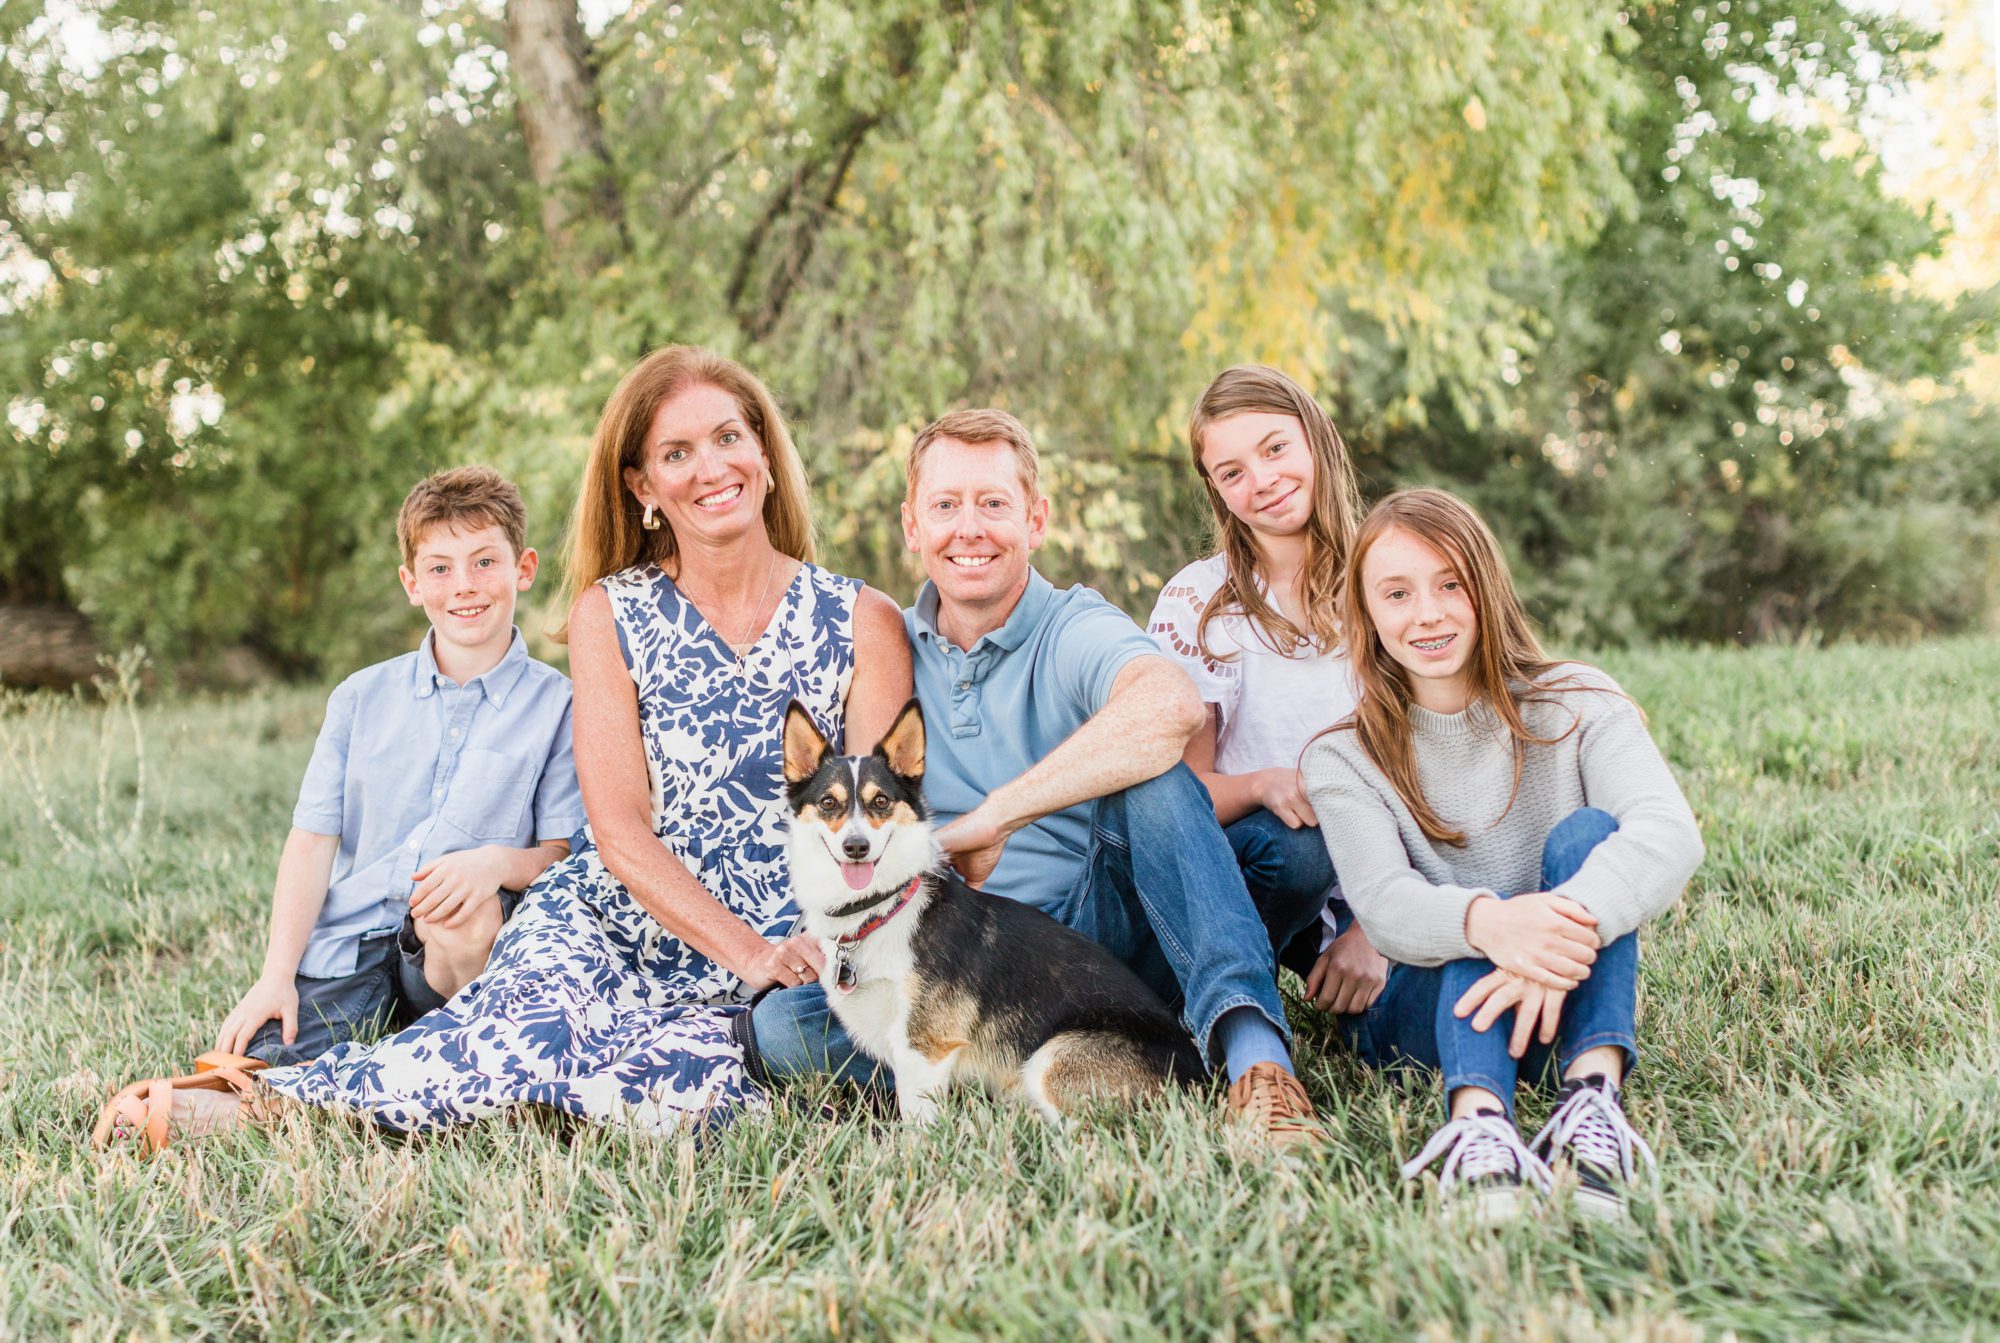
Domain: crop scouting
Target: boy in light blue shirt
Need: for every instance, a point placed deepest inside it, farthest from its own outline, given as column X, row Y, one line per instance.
column 441, row 786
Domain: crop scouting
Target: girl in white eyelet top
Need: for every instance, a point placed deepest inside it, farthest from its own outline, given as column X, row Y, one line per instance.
column 1265, row 705
column 1254, row 626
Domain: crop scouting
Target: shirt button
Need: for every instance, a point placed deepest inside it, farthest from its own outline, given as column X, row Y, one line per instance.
column 965, row 685
column 437, row 794
column 454, row 734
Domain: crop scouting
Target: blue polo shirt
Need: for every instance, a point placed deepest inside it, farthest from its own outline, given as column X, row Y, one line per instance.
column 410, row 766
column 993, row 710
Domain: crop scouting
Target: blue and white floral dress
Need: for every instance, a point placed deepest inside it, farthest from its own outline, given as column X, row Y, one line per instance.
column 588, row 1004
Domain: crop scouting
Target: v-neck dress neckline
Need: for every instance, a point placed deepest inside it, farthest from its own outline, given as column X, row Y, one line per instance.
column 772, row 622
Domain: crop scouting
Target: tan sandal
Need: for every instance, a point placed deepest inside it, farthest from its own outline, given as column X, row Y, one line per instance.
column 143, row 1110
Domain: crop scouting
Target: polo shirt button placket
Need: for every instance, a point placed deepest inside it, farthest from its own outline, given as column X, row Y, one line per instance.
column 964, row 700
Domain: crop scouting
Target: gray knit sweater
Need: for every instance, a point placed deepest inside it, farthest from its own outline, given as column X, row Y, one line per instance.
column 1410, row 895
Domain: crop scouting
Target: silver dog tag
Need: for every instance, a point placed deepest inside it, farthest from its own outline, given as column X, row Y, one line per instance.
column 843, row 971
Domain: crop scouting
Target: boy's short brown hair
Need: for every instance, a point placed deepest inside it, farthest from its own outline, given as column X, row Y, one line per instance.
column 984, row 425
column 465, row 496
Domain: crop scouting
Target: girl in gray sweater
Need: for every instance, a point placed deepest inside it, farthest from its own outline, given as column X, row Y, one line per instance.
column 1501, row 825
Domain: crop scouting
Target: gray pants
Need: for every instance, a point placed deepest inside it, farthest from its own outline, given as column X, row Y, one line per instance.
column 387, row 991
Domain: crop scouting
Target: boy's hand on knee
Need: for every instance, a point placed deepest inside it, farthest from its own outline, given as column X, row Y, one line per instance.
column 266, row 1000
column 449, row 889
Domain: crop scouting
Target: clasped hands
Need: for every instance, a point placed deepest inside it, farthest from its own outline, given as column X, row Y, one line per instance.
column 1542, row 946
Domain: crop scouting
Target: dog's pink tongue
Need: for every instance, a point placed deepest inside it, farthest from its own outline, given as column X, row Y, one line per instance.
column 858, row 875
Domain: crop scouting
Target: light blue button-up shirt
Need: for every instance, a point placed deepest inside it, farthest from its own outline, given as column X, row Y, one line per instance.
column 993, row 710
column 410, row 766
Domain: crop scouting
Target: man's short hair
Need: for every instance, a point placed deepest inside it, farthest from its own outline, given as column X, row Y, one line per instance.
column 465, row 497
column 978, row 426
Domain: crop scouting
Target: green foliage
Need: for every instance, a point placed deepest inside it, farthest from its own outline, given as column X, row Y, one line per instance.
column 1712, row 437
column 218, row 400
column 264, row 264
column 1820, row 1079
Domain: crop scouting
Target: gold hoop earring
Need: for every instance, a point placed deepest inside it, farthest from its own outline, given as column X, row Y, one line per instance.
column 651, row 521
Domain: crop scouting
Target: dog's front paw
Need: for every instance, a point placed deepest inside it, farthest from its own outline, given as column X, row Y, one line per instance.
column 919, row 1111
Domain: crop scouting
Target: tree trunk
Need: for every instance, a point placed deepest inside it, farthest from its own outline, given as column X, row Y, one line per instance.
column 48, row 645
column 556, row 92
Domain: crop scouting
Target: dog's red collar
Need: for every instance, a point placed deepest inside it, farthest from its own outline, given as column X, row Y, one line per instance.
column 843, row 965
column 876, row 921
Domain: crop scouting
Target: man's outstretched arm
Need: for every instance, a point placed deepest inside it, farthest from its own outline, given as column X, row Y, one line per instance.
column 1138, row 735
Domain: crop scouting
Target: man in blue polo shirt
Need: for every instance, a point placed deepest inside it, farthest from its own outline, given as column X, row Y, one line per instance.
column 1054, row 730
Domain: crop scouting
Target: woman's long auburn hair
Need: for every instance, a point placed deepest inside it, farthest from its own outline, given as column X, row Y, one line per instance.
column 605, row 531
column 1507, row 661
column 1329, row 530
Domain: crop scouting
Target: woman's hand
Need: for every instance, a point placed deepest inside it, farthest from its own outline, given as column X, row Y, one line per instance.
column 1283, row 794
column 1349, row 975
column 1501, row 990
column 1541, row 936
column 794, row 961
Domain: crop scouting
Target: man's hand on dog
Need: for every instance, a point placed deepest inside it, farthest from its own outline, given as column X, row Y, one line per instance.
column 974, row 843
column 1349, row 975
column 452, row 886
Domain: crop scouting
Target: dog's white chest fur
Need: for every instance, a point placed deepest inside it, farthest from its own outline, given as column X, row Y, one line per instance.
column 874, row 1011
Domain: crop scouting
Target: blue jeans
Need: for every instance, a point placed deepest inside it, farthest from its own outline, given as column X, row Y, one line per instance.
column 1288, row 873
column 1412, row 1021
column 1160, row 890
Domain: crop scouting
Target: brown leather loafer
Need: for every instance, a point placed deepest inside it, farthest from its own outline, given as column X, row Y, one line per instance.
column 1270, row 1103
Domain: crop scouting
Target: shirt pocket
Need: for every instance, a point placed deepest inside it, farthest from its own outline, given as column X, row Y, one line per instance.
column 489, row 796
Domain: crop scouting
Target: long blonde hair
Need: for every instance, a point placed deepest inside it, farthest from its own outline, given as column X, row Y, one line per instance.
column 605, row 534
column 1507, row 663
column 1329, row 531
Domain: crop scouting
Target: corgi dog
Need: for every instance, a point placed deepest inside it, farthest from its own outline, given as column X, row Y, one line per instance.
column 944, row 983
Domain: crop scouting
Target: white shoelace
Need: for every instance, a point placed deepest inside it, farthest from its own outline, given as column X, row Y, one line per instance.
column 1480, row 1145
column 1593, row 1127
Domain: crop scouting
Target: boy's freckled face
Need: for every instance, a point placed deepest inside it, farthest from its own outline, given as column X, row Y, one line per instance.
column 467, row 580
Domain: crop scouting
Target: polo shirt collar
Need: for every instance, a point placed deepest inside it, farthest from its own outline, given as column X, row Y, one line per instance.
column 1020, row 623
column 496, row 683
column 1027, row 613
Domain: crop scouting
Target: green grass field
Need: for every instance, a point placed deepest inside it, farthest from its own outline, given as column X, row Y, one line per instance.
column 1821, row 1079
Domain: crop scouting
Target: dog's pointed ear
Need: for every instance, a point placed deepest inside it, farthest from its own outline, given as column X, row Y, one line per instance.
column 805, row 747
column 902, row 746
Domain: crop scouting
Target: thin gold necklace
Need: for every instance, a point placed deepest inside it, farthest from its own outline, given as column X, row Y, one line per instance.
column 737, row 646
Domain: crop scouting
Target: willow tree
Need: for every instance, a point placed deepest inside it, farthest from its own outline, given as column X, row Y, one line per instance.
column 1080, row 213
column 295, row 255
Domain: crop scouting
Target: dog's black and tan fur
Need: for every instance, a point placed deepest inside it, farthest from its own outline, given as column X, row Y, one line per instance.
column 957, row 986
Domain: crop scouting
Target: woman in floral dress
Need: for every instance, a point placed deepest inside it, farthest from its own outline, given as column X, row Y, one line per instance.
column 698, row 616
